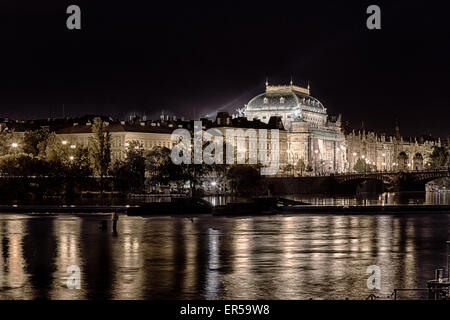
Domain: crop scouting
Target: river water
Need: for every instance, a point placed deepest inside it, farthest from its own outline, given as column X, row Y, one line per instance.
column 272, row 257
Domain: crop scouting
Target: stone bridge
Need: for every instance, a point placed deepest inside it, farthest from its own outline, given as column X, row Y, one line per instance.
column 397, row 180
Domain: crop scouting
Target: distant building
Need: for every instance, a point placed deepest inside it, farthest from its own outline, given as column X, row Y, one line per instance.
column 389, row 153
column 149, row 134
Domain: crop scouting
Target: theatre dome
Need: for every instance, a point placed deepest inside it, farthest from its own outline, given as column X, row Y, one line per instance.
column 286, row 98
column 291, row 103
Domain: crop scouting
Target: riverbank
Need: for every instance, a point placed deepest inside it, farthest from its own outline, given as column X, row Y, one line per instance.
column 292, row 209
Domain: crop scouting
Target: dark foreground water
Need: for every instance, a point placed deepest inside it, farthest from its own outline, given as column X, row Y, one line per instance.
column 275, row 257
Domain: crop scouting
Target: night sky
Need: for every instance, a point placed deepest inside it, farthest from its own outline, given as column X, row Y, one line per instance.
column 195, row 58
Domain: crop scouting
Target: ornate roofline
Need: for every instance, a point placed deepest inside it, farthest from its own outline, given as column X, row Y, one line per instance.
column 283, row 88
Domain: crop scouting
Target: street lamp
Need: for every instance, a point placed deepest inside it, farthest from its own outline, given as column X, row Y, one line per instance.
column 71, row 158
column 73, row 146
column 64, row 142
column 14, row 145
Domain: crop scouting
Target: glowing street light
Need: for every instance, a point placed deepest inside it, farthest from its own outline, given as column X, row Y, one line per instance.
column 64, row 142
column 71, row 158
column 73, row 146
column 14, row 145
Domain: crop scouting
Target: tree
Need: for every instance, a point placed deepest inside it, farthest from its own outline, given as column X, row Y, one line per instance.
column 19, row 170
column 245, row 179
column 360, row 166
column 7, row 141
column 288, row 168
column 35, row 141
column 77, row 170
column 300, row 166
column 129, row 174
column 194, row 174
column 53, row 150
column 439, row 157
column 159, row 167
column 100, row 150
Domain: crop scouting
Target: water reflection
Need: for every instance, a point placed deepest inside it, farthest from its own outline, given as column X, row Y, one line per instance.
column 273, row 257
column 13, row 278
column 386, row 198
column 67, row 233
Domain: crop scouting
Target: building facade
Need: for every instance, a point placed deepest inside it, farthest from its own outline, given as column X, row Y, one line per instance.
column 389, row 153
column 320, row 142
column 158, row 133
column 313, row 137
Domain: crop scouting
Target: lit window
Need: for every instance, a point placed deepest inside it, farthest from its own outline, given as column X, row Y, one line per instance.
column 282, row 100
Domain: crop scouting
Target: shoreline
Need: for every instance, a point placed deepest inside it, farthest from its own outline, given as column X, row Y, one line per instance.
column 286, row 210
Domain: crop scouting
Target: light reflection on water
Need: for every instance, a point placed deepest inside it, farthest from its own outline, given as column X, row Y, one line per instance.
column 390, row 198
column 273, row 257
